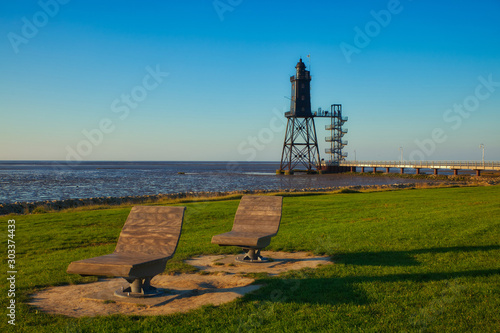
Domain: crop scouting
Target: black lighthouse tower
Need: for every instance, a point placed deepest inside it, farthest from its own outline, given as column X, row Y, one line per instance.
column 300, row 148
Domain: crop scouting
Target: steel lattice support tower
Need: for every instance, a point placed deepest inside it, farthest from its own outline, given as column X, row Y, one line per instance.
column 300, row 148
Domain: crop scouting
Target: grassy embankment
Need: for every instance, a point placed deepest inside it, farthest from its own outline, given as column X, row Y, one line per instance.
column 408, row 260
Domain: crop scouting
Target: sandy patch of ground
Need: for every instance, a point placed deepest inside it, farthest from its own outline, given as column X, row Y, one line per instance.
column 279, row 262
column 185, row 291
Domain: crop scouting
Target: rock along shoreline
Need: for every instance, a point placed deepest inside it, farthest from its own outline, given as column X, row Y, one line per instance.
column 57, row 205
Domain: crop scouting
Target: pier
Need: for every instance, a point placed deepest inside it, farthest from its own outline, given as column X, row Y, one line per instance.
column 454, row 166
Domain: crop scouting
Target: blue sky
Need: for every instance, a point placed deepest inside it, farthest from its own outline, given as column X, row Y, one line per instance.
column 208, row 80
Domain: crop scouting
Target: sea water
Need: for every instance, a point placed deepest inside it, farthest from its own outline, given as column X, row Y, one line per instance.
column 28, row 181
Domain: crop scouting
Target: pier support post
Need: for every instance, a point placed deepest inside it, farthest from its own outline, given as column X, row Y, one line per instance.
column 353, row 169
column 435, row 172
column 402, row 170
column 455, row 172
column 478, row 173
column 374, row 170
column 362, row 169
column 387, row 170
column 417, row 171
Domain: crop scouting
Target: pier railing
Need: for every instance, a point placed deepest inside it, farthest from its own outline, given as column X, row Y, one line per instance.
column 453, row 165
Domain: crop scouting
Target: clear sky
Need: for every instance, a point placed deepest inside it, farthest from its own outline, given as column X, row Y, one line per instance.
column 208, row 80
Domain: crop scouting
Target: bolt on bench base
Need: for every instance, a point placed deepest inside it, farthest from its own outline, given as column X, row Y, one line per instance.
column 251, row 256
column 140, row 289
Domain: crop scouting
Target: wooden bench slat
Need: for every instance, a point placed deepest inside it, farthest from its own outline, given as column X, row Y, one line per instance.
column 252, row 230
column 150, row 230
column 260, row 208
column 119, row 264
column 140, row 236
column 242, row 239
column 121, row 259
column 256, row 214
column 253, row 219
column 145, row 245
column 158, row 220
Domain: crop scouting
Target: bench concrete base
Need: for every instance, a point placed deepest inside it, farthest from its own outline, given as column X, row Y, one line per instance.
column 251, row 256
column 151, row 292
column 140, row 288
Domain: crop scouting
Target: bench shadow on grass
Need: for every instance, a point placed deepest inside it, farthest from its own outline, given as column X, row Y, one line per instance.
column 401, row 258
column 345, row 290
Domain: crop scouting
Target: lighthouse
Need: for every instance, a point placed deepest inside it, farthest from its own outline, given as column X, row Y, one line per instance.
column 300, row 148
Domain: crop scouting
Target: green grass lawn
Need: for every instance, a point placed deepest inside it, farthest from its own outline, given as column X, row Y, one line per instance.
column 405, row 261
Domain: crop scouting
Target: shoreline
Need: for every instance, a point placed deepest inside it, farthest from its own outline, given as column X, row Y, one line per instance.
column 47, row 206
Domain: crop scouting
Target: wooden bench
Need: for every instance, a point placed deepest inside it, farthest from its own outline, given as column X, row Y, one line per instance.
column 147, row 241
column 257, row 220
